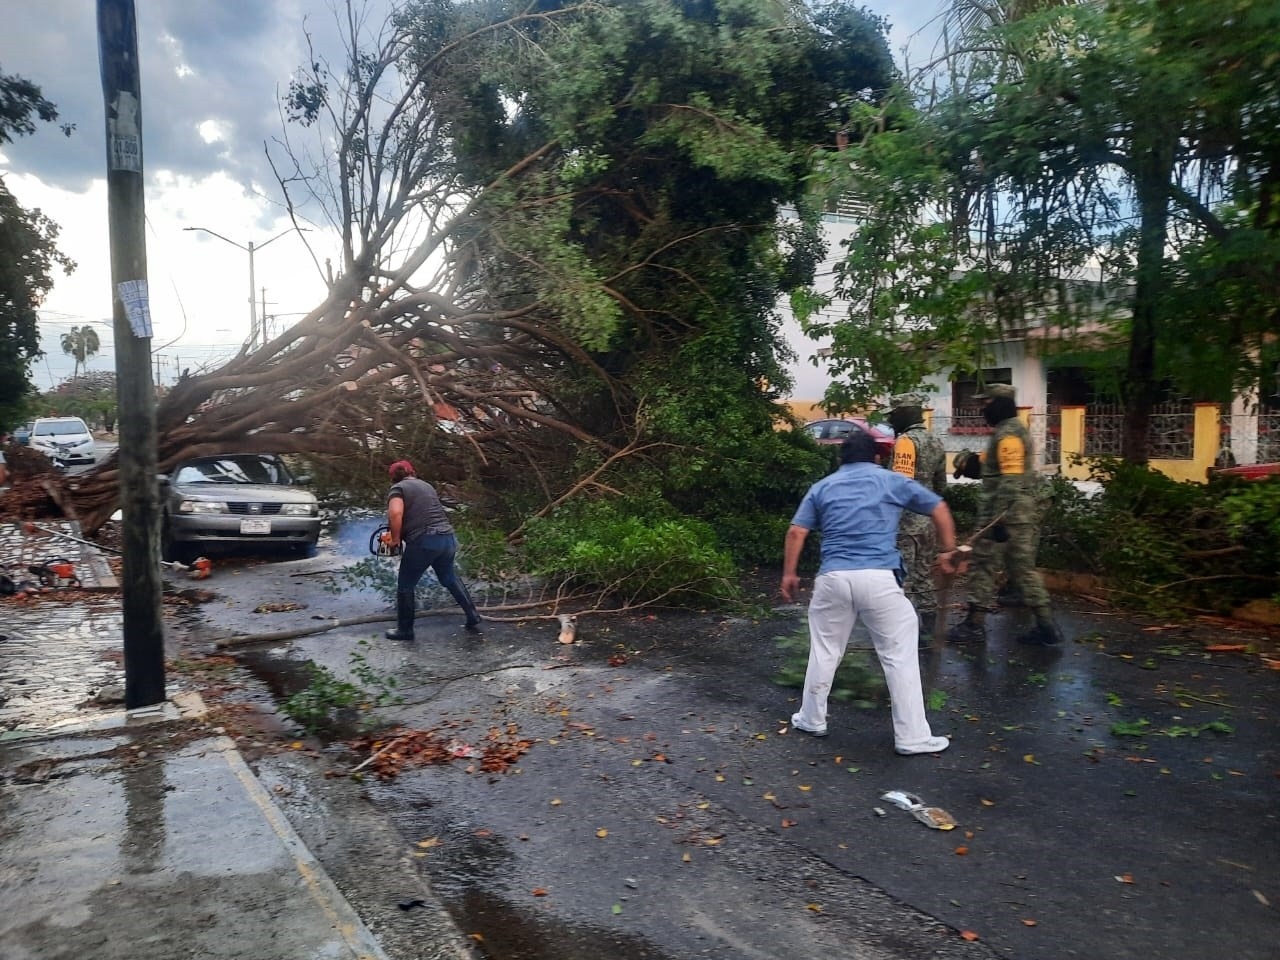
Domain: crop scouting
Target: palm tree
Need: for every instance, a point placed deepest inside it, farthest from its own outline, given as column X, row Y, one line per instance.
column 968, row 26
column 81, row 343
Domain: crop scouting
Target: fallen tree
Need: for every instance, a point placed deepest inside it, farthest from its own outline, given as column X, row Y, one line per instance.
column 558, row 254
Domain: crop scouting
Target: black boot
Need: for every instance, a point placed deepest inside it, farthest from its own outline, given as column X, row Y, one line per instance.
column 972, row 629
column 405, row 602
column 459, row 591
column 1044, row 634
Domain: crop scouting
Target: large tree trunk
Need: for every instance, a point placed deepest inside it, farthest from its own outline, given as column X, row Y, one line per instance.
column 1154, row 153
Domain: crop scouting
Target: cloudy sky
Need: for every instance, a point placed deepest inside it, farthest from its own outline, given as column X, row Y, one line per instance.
column 212, row 78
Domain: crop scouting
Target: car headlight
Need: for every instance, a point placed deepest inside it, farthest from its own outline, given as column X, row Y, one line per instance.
column 202, row 506
column 298, row 510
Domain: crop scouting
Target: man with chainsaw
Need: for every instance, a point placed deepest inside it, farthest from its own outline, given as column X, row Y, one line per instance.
column 857, row 509
column 1009, row 502
column 917, row 454
column 420, row 528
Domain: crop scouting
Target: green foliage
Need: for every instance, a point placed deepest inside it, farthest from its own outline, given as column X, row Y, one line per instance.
column 1144, row 728
column 964, row 500
column 28, row 253
column 632, row 553
column 90, row 396
column 858, row 680
column 1252, row 510
column 1085, row 142
column 323, row 705
column 647, row 237
column 1166, row 546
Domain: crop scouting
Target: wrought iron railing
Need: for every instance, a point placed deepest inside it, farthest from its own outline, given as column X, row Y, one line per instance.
column 1170, row 433
column 1268, row 438
column 1053, row 435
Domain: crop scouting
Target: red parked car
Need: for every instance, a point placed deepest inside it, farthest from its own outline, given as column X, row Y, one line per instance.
column 835, row 430
column 1253, row 471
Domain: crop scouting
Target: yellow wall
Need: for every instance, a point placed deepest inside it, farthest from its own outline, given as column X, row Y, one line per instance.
column 1205, row 443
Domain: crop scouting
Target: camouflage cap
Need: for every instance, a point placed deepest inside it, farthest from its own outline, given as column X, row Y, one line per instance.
column 907, row 400
column 994, row 390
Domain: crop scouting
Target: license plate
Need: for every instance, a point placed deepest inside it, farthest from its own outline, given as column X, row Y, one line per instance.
column 255, row 525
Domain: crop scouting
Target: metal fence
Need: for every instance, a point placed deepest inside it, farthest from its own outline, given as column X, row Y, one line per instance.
column 1170, row 434
column 1245, row 439
column 1268, row 438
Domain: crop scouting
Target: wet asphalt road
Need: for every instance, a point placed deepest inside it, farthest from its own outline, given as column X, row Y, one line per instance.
column 663, row 810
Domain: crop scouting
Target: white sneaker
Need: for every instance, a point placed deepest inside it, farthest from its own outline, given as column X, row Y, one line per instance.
column 932, row 745
column 803, row 728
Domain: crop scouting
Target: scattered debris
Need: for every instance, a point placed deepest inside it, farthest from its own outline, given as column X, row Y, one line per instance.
column 568, row 627
column 933, row 817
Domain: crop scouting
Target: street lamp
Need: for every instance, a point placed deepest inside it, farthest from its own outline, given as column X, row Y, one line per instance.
column 250, row 249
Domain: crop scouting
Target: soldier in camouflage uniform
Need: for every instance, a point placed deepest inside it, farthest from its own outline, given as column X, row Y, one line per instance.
column 1009, row 485
column 917, row 454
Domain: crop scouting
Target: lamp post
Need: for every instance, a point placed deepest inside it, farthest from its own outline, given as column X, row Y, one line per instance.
column 250, row 249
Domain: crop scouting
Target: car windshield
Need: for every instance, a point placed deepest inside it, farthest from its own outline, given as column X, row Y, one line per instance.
column 241, row 469
column 60, row 428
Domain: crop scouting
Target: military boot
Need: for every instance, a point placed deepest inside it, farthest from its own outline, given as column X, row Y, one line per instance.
column 972, row 629
column 405, row 602
column 1045, row 633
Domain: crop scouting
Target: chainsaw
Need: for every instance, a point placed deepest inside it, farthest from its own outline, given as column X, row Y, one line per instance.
column 380, row 543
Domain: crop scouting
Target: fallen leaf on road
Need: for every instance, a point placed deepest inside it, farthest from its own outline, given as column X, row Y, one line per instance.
column 1125, row 878
column 1031, row 758
column 968, row 935
column 602, row 833
column 815, row 907
column 687, row 858
column 769, row 796
column 788, row 823
column 483, row 832
column 429, row 843
column 1029, row 922
column 556, row 802
column 987, row 803
column 962, row 851
column 539, row 891
column 805, row 787
column 1226, row 648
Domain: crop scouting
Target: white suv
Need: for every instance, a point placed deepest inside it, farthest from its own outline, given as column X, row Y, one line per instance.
column 66, row 438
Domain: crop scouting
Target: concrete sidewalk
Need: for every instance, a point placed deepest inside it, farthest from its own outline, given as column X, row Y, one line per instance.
column 136, row 834
column 154, row 840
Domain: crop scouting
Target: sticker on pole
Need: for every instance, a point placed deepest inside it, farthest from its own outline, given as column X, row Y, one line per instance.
column 125, row 138
column 137, row 306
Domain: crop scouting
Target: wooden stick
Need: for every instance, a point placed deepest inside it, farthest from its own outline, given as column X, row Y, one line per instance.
column 943, row 601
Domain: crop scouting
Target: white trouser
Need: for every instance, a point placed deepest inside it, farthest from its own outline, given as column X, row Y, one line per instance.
column 839, row 599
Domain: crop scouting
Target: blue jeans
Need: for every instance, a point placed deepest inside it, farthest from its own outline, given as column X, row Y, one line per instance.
column 437, row 552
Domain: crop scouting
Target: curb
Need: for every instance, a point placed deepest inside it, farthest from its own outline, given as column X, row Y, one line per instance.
column 322, row 889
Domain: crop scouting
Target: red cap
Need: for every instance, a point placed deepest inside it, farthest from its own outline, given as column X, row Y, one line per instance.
column 400, row 469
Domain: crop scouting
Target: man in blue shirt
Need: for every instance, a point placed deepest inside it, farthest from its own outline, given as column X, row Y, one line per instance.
column 857, row 508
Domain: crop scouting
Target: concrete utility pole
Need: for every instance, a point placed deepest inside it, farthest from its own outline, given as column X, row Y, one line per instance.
column 135, row 391
column 254, row 329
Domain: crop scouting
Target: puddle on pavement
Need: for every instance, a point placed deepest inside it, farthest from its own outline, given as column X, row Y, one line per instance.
column 510, row 932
